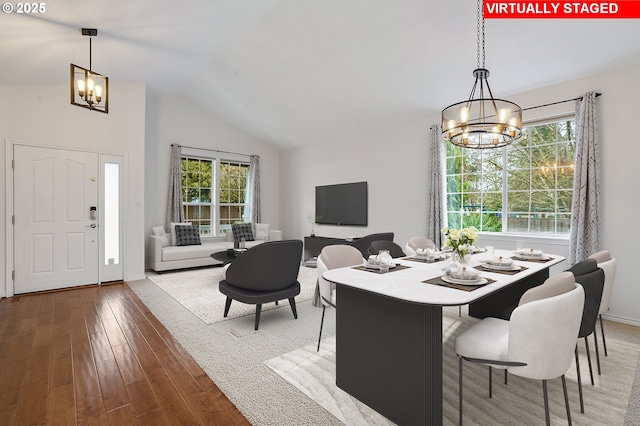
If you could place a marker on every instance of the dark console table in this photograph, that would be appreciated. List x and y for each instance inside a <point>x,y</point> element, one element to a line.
<point>313,245</point>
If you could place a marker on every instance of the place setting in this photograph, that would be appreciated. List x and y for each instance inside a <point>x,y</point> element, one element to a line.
<point>427,255</point>
<point>500,265</point>
<point>531,255</point>
<point>461,278</point>
<point>380,263</point>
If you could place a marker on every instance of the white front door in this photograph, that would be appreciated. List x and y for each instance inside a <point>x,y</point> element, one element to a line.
<point>55,233</point>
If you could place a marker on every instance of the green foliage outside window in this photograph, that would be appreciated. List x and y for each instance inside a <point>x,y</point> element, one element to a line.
<point>524,187</point>
<point>199,189</point>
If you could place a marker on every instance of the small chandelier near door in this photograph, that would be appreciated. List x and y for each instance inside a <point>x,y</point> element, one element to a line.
<point>481,122</point>
<point>89,89</point>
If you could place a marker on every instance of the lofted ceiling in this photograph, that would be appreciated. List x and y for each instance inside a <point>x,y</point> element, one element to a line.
<point>297,72</point>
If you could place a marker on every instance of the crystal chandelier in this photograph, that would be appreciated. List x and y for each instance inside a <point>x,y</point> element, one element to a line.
<point>481,122</point>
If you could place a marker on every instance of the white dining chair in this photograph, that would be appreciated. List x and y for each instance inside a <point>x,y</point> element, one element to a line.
<point>537,341</point>
<point>609,265</point>
<point>333,257</point>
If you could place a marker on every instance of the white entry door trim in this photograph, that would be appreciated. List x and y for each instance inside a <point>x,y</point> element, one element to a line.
<point>9,289</point>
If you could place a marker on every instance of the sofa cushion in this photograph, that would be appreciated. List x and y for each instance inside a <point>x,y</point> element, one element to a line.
<point>262,231</point>
<point>242,230</point>
<point>172,253</point>
<point>187,235</point>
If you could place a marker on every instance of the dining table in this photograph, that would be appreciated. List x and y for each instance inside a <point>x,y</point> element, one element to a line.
<point>389,347</point>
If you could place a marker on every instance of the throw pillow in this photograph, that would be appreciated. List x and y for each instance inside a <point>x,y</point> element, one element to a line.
<point>262,231</point>
<point>187,235</point>
<point>242,230</point>
<point>158,231</point>
<point>172,227</point>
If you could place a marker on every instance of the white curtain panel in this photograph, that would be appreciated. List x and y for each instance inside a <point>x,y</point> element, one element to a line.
<point>436,195</point>
<point>174,202</point>
<point>254,178</point>
<point>585,220</point>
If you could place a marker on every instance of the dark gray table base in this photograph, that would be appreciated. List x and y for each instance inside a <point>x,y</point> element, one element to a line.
<point>389,355</point>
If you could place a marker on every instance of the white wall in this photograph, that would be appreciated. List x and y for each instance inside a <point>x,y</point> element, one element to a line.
<point>394,162</point>
<point>42,115</point>
<point>173,119</point>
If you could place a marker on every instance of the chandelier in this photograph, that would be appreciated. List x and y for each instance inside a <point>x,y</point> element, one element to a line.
<point>481,122</point>
<point>88,89</point>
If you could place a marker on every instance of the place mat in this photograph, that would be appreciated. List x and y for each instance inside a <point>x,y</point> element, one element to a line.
<point>525,259</point>
<point>438,281</point>
<point>423,260</point>
<point>377,271</point>
<point>501,271</point>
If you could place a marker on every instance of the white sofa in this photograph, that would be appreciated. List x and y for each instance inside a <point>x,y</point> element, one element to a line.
<point>163,256</point>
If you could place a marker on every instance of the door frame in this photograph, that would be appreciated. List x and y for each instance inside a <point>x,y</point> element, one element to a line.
<point>9,288</point>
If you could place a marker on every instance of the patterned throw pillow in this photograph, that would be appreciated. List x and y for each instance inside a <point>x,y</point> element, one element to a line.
<point>187,235</point>
<point>242,230</point>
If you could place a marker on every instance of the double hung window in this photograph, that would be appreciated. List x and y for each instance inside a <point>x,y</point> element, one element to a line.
<point>525,187</point>
<point>215,193</point>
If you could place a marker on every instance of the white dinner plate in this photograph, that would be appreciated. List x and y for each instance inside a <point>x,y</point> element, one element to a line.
<point>501,268</point>
<point>525,257</point>
<point>450,280</point>
<point>376,267</point>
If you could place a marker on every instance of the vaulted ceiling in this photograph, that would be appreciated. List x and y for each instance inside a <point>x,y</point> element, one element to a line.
<point>296,72</point>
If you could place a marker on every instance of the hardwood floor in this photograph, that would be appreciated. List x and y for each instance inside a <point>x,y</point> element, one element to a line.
<point>97,355</point>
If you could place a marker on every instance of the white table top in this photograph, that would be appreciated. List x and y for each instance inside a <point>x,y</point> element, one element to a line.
<point>406,284</point>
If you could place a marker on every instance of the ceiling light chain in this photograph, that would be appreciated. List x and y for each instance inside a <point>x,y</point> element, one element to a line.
<point>481,122</point>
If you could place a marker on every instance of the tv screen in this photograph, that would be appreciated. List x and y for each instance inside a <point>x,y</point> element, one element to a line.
<point>343,204</point>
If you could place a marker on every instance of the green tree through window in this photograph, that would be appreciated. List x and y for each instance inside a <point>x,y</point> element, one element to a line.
<point>201,181</point>
<point>525,187</point>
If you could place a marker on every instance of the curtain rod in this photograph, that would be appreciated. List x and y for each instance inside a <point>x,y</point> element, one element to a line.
<point>212,150</point>
<point>559,102</point>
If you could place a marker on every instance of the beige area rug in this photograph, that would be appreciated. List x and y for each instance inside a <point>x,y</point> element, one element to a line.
<point>519,402</point>
<point>197,290</point>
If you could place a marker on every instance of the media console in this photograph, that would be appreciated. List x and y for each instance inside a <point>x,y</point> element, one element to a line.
<point>313,245</point>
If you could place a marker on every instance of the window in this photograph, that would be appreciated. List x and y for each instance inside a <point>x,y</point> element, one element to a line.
<point>202,179</point>
<point>234,191</point>
<point>525,187</point>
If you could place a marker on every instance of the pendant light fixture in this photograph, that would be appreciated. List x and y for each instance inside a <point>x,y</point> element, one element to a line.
<point>481,122</point>
<point>89,89</point>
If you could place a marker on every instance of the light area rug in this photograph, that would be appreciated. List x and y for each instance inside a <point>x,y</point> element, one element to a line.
<point>197,290</point>
<point>235,357</point>
<point>519,402</point>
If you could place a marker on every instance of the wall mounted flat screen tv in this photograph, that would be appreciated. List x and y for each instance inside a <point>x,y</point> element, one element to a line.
<point>342,204</point>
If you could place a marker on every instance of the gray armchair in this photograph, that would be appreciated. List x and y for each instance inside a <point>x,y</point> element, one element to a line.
<point>265,273</point>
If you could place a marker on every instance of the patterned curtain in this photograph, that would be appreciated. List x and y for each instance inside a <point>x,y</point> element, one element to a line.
<point>174,202</point>
<point>436,205</point>
<point>255,189</point>
<point>584,236</point>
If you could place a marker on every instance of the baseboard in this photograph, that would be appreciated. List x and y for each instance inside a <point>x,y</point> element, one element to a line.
<point>135,277</point>
<point>624,320</point>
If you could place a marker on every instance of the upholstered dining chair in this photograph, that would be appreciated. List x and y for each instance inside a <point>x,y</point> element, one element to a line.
<point>265,273</point>
<point>415,243</point>
<point>608,265</point>
<point>537,341</point>
<point>332,257</point>
<point>591,278</point>
<point>363,243</point>
<point>394,249</point>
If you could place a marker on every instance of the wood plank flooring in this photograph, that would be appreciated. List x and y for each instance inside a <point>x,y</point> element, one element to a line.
<point>97,355</point>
